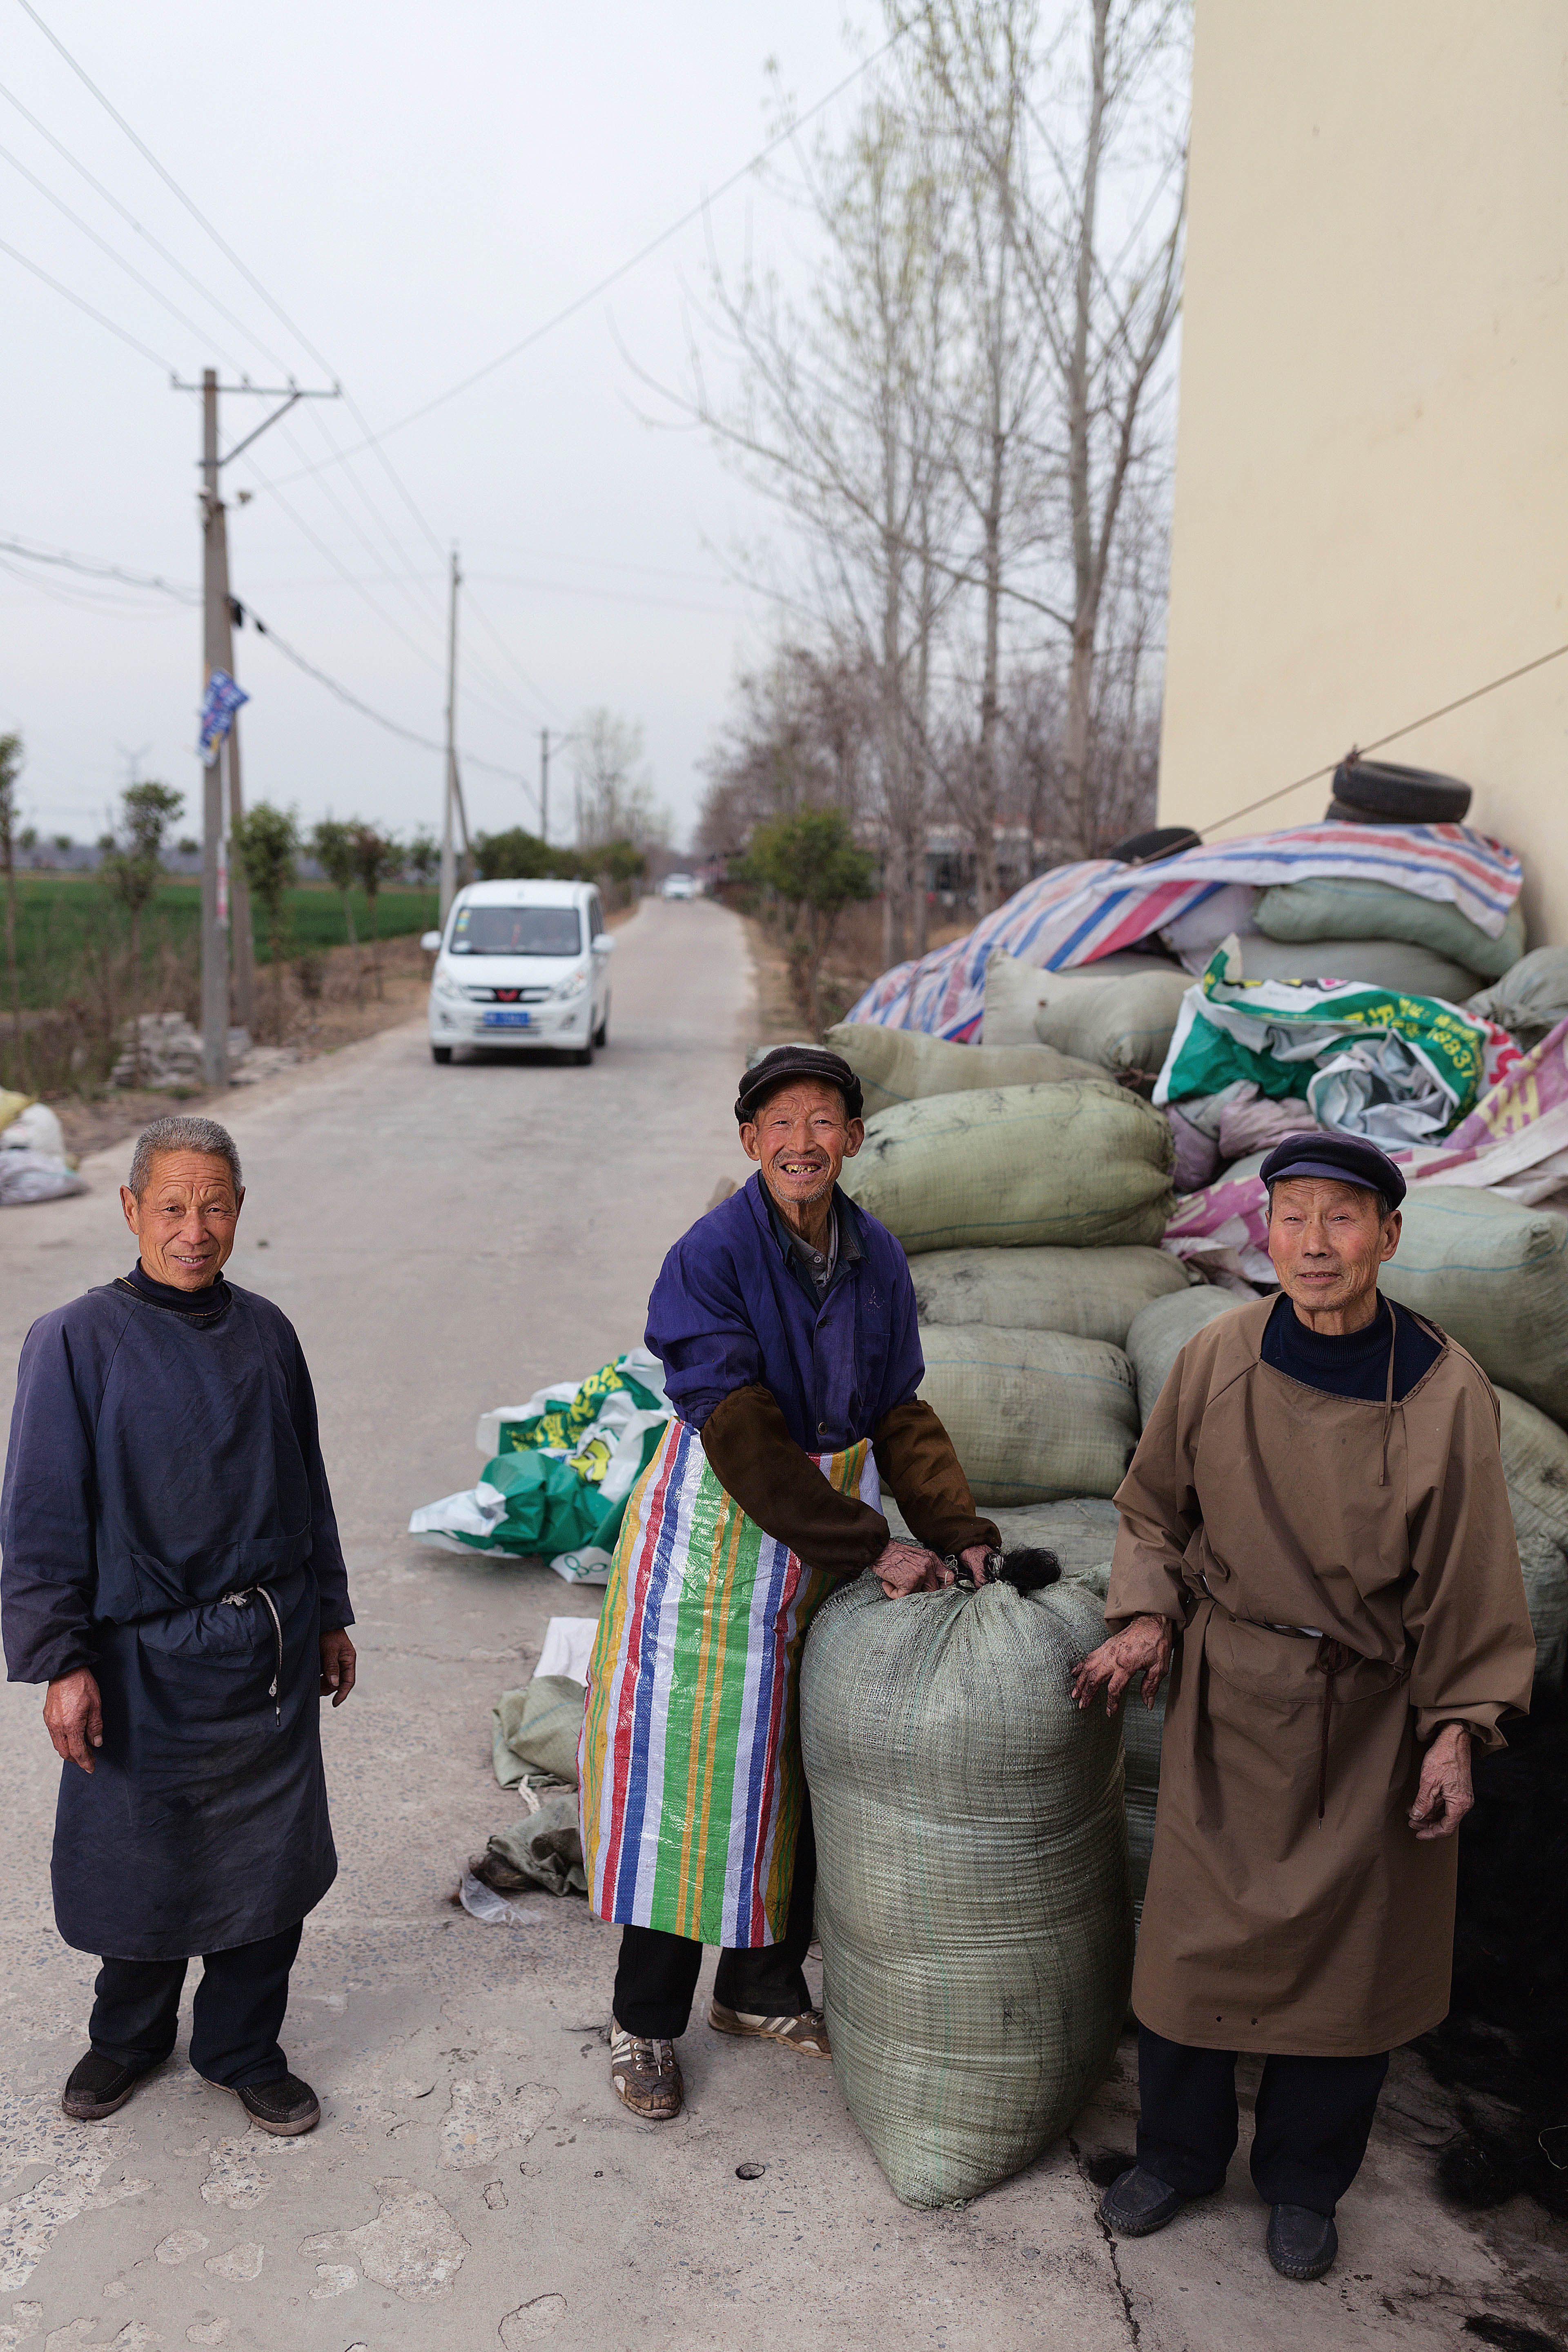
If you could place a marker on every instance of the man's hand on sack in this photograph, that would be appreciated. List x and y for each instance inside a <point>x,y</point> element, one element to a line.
<point>337,1667</point>
<point>1446,1792</point>
<point>1143,1647</point>
<point>73,1717</point>
<point>906,1568</point>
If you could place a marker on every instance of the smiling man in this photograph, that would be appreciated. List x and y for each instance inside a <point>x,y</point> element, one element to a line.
<point>1315,1524</point>
<point>173,1572</point>
<point>786,1324</point>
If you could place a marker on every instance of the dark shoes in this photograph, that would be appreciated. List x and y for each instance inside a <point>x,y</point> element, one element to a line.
<point>97,2086</point>
<point>645,2076</point>
<point>285,2107</point>
<point>1137,2204</point>
<point>1301,2244</point>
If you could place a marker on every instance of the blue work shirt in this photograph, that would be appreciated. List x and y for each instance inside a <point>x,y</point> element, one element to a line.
<point>730,1309</point>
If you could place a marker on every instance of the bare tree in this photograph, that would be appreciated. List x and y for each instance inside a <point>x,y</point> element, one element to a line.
<point>614,790</point>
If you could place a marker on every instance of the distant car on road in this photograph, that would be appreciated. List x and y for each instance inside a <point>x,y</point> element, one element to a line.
<point>522,964</point>
<point>681,885</point>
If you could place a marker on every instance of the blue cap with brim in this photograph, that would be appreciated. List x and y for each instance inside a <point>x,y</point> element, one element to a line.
<point>1337,1160</point>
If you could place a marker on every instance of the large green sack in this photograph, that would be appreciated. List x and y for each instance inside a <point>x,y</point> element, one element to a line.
<point>1494,1273</point>
<point>1380,963</point>
<point>1158,1335</point>
<point>1535,1465</point>
<point>1530,999</point>
<point>1081,1531</point>
<point>898,1066</point>
<point>1017,993</point>
<point>1323,908</point>
<point>1079,1165</point>
<point>1087,1294</point>
<point>1032,1415</point>
<point>972,1895</point>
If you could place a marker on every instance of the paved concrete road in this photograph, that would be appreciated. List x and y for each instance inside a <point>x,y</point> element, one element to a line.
<point>447,1240</point>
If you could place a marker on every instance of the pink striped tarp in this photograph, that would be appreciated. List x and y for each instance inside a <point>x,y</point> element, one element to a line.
<point>1076,914</point>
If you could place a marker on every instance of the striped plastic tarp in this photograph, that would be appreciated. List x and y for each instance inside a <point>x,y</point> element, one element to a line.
<point>1078,913</point>
<point>690,1760</point>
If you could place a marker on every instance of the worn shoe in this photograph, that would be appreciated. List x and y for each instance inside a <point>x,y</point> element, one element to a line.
<point>645,2076</point>
<point>97,2086</point>
<point>1301,2244</point>
<point>1137,2204</point>
<point>808,2031</point>
<point>286,2107</point>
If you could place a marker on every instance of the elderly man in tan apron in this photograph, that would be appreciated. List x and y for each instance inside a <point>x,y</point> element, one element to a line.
<point>1316,1529</point>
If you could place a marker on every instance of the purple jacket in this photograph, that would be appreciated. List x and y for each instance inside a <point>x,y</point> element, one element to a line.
<point>729,1309</point>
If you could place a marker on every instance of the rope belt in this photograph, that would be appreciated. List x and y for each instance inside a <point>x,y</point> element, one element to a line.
<point>242,1600</point>
<point>1332,1658</point>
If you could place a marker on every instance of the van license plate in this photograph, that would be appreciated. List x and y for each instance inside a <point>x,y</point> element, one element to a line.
<point>508,1020</point>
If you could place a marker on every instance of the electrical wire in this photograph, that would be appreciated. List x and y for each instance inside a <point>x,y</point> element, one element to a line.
<point>124,332</point>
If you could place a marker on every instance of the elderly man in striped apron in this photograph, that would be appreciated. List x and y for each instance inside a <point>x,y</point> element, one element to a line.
<point>786,1324</point>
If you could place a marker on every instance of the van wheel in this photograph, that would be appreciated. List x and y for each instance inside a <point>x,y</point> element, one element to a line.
<point>602,1033</point>
<point>583,1056</point>
<point>440,1052</point>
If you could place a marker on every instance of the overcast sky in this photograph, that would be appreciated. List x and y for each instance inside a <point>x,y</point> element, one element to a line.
<point>416,187</point>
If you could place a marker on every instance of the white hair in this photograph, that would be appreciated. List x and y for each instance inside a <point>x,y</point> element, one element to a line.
<point>181,1132</point>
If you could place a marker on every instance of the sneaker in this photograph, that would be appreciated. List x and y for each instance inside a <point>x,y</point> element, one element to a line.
<point>806,2033</point>
<point>1137,2204</point>
<point>645,2076</point>
<point>1301,2244</point>
<point>97,2086</point>
<point>285,2106</point>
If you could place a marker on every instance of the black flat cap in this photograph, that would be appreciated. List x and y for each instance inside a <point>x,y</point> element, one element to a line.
<point>1342,1159</point>
<point>788,1063</point>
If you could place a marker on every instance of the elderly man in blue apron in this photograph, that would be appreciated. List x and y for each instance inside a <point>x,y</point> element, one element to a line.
<point>173,1572</point>
<point>786,1324</point>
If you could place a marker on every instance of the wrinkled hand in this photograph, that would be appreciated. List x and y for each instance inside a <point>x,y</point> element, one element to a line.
<point>906,1568</point>
<point>73,1717</point>
<point>1143,1647</point>
<point>337,1667</point>
<point>974,1556</point>
<point>1446,1793</point>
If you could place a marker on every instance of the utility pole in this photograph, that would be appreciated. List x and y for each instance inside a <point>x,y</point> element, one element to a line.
<point>449,861</point>
<point>242,936</point>
<point>545,784</point>
<point>217,652</point>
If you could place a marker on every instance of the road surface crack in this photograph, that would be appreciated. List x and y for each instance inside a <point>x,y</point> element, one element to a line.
<point>1135,2333</point>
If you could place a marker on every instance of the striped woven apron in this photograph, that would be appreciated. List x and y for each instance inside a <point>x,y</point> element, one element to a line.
<point>690,1760</point>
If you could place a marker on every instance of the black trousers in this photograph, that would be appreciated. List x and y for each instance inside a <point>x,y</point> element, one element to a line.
<point>236,2020</point>
<point>656,1974</point>
<point>1312,2120</point>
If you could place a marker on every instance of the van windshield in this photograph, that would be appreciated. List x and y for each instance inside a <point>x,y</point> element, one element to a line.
<point>516,931</point>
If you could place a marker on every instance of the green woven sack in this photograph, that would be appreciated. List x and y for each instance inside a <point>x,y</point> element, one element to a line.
<point>971,1892</point>
<point>1033,1415</point>
<point>1535,1465</point>
<point>1079,1165</point>
<point>1158,1335</point>
<point>1326,910</point>
<point>1087,1294</point>
<point>1494,1273</point>
<point>1143,1729</point>
<point>898,1066</point>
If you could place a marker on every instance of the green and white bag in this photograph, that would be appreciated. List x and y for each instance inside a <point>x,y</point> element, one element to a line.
<point>559,1473</point>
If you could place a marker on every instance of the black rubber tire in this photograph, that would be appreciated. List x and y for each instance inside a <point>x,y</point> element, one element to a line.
<point>1389,795</point>
<point>1162,841</point>
<point>583,1056</point>
<point>602,1033</point>
<point>440,1052</point>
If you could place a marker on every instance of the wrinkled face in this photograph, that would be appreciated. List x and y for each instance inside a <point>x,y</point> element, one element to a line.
<point>800,1139</point>
<point>185,1221</point>
<point>1328,1241</point>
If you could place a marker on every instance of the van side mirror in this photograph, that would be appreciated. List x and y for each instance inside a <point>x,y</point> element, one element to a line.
<point>605,944</point>
<point>431,943</point>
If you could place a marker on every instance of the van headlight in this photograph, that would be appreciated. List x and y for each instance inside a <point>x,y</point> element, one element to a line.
<point>445,986</point>
<point>572,986</point>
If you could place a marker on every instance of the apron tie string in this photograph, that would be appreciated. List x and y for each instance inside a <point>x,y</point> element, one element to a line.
<point>1332,1658</point>
<point>1388,1393</point>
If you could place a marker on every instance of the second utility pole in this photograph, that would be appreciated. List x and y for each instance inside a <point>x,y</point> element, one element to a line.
<point>215,654</point>
<point>448,858</point>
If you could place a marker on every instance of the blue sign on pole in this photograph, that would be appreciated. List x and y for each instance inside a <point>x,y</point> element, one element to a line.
<point>223,698</point>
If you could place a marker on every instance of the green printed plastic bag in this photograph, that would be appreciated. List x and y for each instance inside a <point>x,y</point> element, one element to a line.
<point>1399,1069</point>
<point>559,1473</point>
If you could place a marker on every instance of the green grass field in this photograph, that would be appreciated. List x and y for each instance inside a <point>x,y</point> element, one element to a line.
<point>59,918</point>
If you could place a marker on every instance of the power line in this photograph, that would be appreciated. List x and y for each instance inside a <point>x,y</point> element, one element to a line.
<point>70,563</point>
<point>537,334</point>
<point>124,332</point>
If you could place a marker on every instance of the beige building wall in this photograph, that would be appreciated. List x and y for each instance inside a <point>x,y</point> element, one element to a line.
<point>1371,475</point>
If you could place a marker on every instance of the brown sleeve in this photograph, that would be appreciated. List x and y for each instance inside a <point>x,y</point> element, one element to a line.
<point>1160,1512</point>
<point>757,1462</point>
<point>922,1473</point>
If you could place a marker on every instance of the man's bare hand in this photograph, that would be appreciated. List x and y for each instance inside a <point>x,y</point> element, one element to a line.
<point>906,1568</point>
<point>974,1556</point>
<point>73,1717</point>
<point>337,1667</point>
<point>1446,1792</point>
<point>1143,1647</point>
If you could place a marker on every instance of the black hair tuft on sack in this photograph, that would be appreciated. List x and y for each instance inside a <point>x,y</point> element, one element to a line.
<point>1029,1567</point>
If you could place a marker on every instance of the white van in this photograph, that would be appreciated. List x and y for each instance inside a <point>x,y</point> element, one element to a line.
<point>522,964</point>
